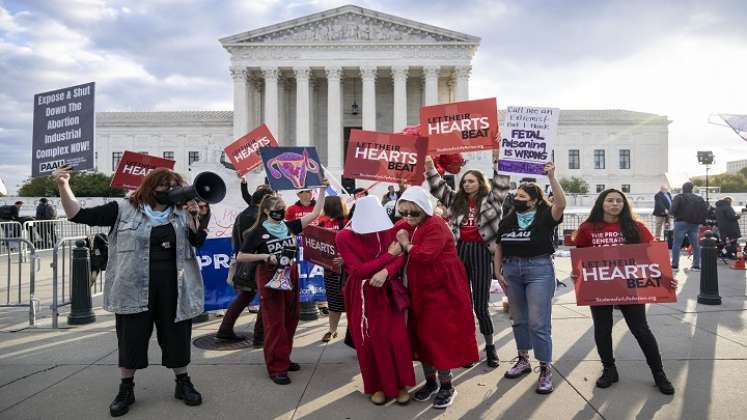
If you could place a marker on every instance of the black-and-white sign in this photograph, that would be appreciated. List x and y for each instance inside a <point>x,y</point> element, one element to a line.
<point>63,129</point>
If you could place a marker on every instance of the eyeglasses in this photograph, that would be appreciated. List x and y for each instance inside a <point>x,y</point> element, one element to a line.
<point>413,214</point>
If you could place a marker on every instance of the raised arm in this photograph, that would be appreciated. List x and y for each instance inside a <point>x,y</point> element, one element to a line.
<point>245,191</point>
<point>307,219</point>
<point>439,188</point>
<point>558,205</point>
<point>70,204</point>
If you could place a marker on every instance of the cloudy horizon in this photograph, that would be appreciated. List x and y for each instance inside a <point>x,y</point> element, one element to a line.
<point>682,59</point>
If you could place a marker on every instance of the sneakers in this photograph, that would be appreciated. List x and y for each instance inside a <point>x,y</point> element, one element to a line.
<point>675,269</point>
<point>609,377</point>
<point>696,269</point>
<point>544,384</point>
<point>186,392</point>
<point>444,397</point>
<point>228,336</point>
<point>521,367</point>
<point>426,391</point>
<point>663,383</point>
<point>124,399</point>
<point>492,356</point>
<point>281,379</point>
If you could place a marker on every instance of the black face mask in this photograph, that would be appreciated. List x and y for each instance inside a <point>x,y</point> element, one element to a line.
<point>162,197</point>
<point>277,215</point>
<point>521,205</point>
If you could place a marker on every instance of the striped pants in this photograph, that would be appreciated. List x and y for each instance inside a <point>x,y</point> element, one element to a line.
<point>478,261</point>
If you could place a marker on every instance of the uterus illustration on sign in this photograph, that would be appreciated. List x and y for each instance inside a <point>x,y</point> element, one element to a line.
<point>294,167</point>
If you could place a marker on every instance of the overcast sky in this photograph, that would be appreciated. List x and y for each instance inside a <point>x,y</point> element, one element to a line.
<point>684,59</point>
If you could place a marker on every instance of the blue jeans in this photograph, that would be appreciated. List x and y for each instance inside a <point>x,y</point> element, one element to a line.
<point>531,286</point>
<point>680,230</point>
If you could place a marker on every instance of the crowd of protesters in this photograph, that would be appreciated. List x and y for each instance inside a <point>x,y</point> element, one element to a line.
<point>414,272</point>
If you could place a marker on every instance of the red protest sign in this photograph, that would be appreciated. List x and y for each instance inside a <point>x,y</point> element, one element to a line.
<point>461,126</point>
<point>244,152</point>
<point>386,157</point>
<point>319,247</point>
<point>625,274</point>
<point>134,167</point>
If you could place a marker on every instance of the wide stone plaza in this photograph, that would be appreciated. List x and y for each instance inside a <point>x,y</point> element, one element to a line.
<point>71,373</point>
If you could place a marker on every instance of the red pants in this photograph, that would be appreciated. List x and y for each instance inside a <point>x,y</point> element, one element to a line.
<point>280,313</point>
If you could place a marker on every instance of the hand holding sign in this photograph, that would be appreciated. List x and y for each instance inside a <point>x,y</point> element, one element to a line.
<point>61,175</point>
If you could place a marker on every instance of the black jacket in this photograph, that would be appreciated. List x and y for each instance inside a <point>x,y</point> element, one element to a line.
<point>661,204</point>
<point>690,208</point>
<point>727,220</point>
<point>45,212</point>
<point>243,221</point>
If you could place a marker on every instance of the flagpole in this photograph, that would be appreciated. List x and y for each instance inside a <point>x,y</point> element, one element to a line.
<point>333,179</point>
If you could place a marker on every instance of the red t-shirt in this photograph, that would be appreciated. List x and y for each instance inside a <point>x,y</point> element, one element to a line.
<point>329,223</point>
<point>468,230</point>
<point>298,211</point>
<point>606,234</point>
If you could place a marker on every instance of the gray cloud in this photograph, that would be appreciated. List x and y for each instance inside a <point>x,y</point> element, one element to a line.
<point>164,54</point>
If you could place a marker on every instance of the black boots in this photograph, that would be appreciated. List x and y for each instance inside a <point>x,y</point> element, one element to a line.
<point>663,383</point>
<point>186,391</point>
<point>609,377</point>
<point>126,397</point>
<point>492,356</point>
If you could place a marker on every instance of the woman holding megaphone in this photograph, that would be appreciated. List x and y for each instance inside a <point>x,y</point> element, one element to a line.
<point>152,276</point>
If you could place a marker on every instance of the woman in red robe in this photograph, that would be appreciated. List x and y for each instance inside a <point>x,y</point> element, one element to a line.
<point>375,302</point>
<point>440,324</point>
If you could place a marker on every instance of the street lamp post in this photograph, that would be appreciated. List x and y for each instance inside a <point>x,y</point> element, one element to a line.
<point>706,158</point>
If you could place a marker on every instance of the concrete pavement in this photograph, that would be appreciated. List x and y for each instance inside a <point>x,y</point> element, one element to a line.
<point>71,373</point>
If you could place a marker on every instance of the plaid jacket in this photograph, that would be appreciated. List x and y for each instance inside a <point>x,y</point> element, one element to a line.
<point>489,210</point>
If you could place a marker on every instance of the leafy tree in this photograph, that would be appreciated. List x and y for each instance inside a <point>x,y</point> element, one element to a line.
<point>574,185</point>
<point>729,182</point>
<point>83,184</point>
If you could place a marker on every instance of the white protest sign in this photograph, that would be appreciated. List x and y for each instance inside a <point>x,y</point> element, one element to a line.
<point>527,139</point>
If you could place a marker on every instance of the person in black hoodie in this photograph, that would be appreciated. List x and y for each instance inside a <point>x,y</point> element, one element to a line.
<point>689,211</point>
<point>728,225</point>
<point>245,292</point>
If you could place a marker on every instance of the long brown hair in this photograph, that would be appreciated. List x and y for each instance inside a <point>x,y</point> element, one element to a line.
<point>146,193</point>
<point>627,218</point>
<point>461,200</point>
<point>267,203</point>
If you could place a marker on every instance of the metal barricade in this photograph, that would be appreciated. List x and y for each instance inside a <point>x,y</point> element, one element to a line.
<point>61,276</point>
<point>10,230</point>
<point>21,301</point>
<point>45,233</point>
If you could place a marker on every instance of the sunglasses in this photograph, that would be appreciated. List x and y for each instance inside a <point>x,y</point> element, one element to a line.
<point>413,214</point>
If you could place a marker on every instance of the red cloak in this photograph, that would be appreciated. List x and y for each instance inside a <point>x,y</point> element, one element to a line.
<point>377,326</point>
<point>440,324</point>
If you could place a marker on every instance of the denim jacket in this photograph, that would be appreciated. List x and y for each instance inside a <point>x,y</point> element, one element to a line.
<point>126,282</point>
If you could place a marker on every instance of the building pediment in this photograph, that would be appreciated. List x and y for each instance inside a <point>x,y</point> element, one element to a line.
<point>349,24</point>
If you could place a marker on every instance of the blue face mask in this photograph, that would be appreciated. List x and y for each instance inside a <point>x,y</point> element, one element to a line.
<point>278,230</point>
<point>157,218</point>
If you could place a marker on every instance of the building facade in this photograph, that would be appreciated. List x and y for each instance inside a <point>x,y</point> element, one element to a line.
<point>734,166</point>
<point>313,79</point>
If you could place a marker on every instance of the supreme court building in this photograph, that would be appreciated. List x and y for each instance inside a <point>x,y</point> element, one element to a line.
<point>313,79</point>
